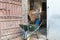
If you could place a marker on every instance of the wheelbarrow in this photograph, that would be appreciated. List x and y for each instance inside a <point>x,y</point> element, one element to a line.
<point>29,30</point>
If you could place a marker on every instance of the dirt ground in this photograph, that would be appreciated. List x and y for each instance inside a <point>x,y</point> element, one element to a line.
<point>42,36</point>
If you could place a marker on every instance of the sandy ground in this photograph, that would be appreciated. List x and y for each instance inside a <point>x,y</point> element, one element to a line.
<point>34,37</point>
<point>42,36</point>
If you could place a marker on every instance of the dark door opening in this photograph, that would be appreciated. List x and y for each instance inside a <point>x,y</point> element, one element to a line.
<point>41,5</point>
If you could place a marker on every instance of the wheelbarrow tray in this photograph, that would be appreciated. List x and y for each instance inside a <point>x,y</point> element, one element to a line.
<point>28,27</point>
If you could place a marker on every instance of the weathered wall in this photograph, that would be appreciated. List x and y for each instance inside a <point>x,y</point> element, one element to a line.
<point>53,19</point>
<point>11,15</point>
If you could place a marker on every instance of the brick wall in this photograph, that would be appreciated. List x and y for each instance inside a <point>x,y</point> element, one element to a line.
<point>10,17</point>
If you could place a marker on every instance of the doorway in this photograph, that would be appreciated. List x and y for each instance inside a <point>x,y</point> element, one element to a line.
<point>41,5</point>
